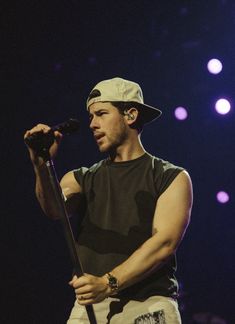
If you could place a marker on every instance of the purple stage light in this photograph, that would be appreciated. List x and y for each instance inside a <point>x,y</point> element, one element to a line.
<point>222,197</point>
<point>222,106</point>
<point>214,66</point>
<point>181,113</point>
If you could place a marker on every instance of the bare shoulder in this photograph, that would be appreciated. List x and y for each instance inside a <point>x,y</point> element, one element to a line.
<point>184,177</point>
<point>183,186</point>
<point>180,190</point>
<point>173,208</point>
<point>182,180</point>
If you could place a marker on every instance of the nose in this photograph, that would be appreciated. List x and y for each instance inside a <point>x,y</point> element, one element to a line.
<point>94,123</point>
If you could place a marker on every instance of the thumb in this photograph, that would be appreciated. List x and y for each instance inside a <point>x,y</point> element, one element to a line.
<point>73,279</point>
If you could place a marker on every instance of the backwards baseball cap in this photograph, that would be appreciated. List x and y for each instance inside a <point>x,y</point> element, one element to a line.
<point>118,89</point>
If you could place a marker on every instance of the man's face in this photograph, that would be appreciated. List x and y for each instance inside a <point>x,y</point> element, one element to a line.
<point>108,126</point>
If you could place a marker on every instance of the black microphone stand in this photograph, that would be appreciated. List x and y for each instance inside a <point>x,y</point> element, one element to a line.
<point>42,148</point>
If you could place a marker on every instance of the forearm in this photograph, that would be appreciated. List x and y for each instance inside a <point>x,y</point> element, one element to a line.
<point>169,231</point>
<point>150,256</point>
<point>44,192</point>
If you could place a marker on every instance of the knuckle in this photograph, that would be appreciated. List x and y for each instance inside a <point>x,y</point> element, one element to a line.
<point>89,287</point>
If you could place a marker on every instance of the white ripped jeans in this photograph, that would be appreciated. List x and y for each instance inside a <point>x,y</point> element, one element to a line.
<point>154,310</point>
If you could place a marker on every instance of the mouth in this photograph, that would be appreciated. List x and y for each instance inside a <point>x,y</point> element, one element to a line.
<point>98,136</point>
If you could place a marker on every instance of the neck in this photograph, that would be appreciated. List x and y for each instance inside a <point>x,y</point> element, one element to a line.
<point>130,150</point>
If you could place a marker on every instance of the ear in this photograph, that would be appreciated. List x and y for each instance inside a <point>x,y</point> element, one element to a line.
<point>131,115</point>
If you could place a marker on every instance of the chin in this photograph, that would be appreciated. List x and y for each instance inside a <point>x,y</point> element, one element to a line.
<point>105,148</point>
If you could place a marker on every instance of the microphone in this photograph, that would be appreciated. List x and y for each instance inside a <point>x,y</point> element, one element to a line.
<point>66,128</point>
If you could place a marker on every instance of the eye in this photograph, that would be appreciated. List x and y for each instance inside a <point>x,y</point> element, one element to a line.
<point>100,113</point>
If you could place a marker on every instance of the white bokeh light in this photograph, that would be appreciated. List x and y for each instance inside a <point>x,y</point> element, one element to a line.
<point>222,106</point>
<point>214,66</point>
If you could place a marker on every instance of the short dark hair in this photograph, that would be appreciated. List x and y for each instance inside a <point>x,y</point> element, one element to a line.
<point>123,106</point>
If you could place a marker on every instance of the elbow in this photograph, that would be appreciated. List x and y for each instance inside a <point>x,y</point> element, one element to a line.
<point>50,213</point>
<point>169,248</point>
<point>164,253</point>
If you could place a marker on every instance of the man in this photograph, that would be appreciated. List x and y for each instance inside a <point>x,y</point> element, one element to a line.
<point>134,209</point>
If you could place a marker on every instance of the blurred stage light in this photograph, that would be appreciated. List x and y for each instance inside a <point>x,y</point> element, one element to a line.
<point>222,106</point>
<point>222,197</point>
<point>181,113</point>
<point>214,66</point>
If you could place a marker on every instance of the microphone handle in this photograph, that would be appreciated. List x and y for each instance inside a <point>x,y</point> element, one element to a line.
<point>39,139</point>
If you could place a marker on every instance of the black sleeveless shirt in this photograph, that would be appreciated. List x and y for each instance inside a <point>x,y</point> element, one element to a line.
<point>120,200</point>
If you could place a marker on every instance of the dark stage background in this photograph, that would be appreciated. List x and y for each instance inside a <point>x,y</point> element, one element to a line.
<point>52,53</point>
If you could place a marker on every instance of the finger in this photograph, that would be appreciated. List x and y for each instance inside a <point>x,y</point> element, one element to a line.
<point>81,281</point>
<point>45,129</point>
<point>87,289</point>
<point>41,128</point>
<point>73,280</point>
<point>58,136</point>
<point>26,134</point>
<point>77,282</point>
<point>85,302</point>
<point>37,129</point>
<point>84,296</point>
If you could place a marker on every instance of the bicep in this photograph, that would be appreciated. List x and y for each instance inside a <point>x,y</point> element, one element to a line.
<point>69,185</point>
<point>173,209</point>
<point>71,190</point>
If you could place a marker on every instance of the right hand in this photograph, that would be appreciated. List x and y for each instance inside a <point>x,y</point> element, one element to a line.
<point>35,158</point>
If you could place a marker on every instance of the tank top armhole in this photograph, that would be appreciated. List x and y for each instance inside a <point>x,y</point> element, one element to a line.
<point>164,174</point>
